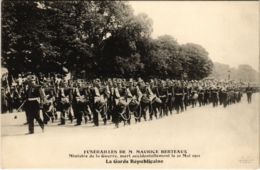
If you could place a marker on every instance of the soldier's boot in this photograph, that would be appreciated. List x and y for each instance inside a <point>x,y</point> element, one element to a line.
<point>42,127</point>
<point>151,116</point>
<point>161,113</point>
<point>85,119</point>
<point>62,120</point>
<point>70,118</point>
<point>56,116</point>
<point>166,111</point>
<point>129,121</point>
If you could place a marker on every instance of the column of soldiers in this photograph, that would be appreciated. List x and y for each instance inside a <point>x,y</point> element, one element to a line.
<point>115,100</point>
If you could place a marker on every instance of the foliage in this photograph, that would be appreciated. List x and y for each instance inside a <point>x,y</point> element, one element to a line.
<point>241,73</point>
<point>101,38</point>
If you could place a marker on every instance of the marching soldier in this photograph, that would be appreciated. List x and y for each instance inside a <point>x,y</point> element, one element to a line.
<point>163,95</point>
<point>194,94</point>
<point>215,96</point>
<point>64,103</point>
<point>156,101</point>
<point>170,96</point>
<point>110,103</point>
<point>4,104</point>
<point>80,103</point>
<point>179,92</point>
<point>249,91</point>
<point>98,103</point>
<point>145,102</point>
<point>134,105</point>
<point>207,95</point>
<point>201,95</point>
<point>48,109</point>
<point>186,95</point>
<point>34,97</point>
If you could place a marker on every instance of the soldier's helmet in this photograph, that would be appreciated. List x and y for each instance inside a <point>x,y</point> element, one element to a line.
<point>110,82</point>
<point>131,80</point>
<point>31,77</point>
<point>163,83</point>
<point>140,80</point>
<point>97,82</point>
<point>119,81</point>
<point>79,83</point>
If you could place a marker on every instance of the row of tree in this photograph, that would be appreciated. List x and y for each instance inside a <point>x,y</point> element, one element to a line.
<point>243,72</point>
<point>100,38</point>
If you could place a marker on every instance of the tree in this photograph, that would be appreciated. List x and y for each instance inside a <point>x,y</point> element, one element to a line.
<point>57,34</point>
<point>121,55</point>
<point>97,37</point>
<point>197,63</point>
<point>20,43</point>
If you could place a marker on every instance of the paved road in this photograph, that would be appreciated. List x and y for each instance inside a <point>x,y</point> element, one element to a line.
<point>223,138</point>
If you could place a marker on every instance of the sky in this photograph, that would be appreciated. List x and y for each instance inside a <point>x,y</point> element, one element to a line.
<point>229,31</point>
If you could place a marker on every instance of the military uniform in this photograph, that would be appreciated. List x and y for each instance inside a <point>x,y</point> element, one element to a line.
<point>145,102</point>
<point>201,96</point>
<point>80,104</point>
<point>163,95</point>
<point>48,109</point>
<point>156,102</point>
<point>98,105</point>
<point>214,96</point>
<point>32,105</point>
<point>249,91</point>
<point>64,101</point>
<point>178,103</point>
<point>171,97</point>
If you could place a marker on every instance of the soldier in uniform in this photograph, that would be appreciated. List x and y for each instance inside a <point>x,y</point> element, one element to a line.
<point>171,98</point>
<point>64,103</point>
<point>80,96</point>
<point>34,96</point>
<point>207,94</point>
<point>194,94</point>
<point>4,104</point>
<point>145,102</point>
<point>134,105</point>
<point>179,94</point>
<point>187,87</point>
<point>120,105</point>
<point>224,92</point>
<point>48,109</point>
<point>98,106</point>
<point>249,91</point>
<point>10,99</point>
<point>110,98</point>
<point>156,101</point>
<point>201,95</point>
<point>215,96</point>
<point>163,95</point>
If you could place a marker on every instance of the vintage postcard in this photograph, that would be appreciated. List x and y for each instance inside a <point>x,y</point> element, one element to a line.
<point>130,84</point>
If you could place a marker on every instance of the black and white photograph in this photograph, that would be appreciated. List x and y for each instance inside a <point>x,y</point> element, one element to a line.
<point>130,84</point>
